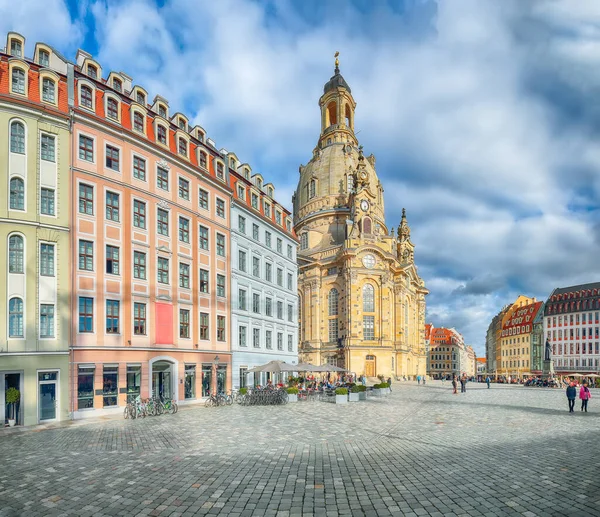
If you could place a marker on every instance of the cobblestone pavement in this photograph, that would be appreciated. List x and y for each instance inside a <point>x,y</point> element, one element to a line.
<point>420,451</point>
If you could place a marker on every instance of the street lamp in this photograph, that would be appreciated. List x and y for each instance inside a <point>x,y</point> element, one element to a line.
<point>214,376</point>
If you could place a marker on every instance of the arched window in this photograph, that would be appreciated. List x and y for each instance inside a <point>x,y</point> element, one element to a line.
<point>17,138</point>
<point>182,146</point>
<point>15,254</point>
<point>348,116</point>
<point>17,194</point>
<point>333,302</point>
<point>112,108</point>
<point>312,189</point>
<point>15,316</point>
<point>368,298</point>
<point>331,114</point>
<point>304,241</point>
<point>367,225</point>
<point>48,90</point>
<point>138,121</point>
<point>86,97</point>
<point>18,81</point>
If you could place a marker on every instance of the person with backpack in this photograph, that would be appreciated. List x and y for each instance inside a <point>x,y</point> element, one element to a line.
<point>571,396</point>
<point>585,395</point>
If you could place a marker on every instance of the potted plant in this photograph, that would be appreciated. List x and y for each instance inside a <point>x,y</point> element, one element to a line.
<point>341,396</point>
<point>354,395</point>
<point>377,390</point>
<point>292,394</point>
<point>385,387</point>
<point>362,392</point>
<point>13,395</point>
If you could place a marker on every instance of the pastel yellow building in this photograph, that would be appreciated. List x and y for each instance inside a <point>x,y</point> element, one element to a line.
<point>362,302</point>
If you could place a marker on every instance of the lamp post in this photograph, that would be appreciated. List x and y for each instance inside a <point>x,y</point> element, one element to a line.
<point>213,387</point>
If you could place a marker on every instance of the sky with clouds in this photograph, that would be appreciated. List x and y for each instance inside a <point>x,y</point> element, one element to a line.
<point>482,114</point>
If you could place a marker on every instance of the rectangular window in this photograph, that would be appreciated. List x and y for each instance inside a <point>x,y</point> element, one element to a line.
<point>112,158</point>
<point>268,239</point>
<point>278,217</point>
<point>139,265</point>
<point>161,134</point>
<point>139,319</point>
<point>203,159</point>
<point>46,321</point>
<point>203,199</point>
<point>112,260</point>
<point>203,237</point>
<point>46,259</point>
<point>290,281</point>
<point>139,168</point>
<point>203,281</point>
<point>221,208</point>
<point>290,313</point>
<point>48,148</point>
<point>184,188</point>
<point>85,388</point>
<point>267,210</point>
<point>268,307</point>
<point>138,122</point>
<point>139,214</point>
<point>242,300</point>
<point>162,221</point>
<point>242,261</point>
<point>279,341</point>
<point>112,316</point>
<point>241,192</point>
<point>134,381</point>
<point>110,383</point>
<point>220,244</point>
<point>255,234</point>
<point>290,343</point>
<point>221,286</point>
<point>279,245</point>
<point>369,328</point>
<point>86,255</point>
<point>204,326</point>
<point>86,199</point>
<point>163,270</point>
<point>280,310</point>
<point>269,339</point>
<point>184,275</point>
<point>162,178</point>
<point>47,205</point>
<point>255,266</point>
<point>256,303</point>
<point>184,230</point>
<point>112,109</point>
<point>184,323</point>
<point>86,148</point>
<point>112,206</point>
<point>242,336</point>
<point>190,381</point>
<point>289,251</point>
<point>220,174</point>
<point>220,328</point>
<point>280,277</point>
<point>86,314</point>
<point>242,224</point>
<point>256,338</point>
<point>333,330</point>
<point>254,201</point>
<point>43,58</point>
<point>268,272</point>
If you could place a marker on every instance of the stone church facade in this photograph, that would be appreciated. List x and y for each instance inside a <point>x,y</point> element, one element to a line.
<point>362,302</point>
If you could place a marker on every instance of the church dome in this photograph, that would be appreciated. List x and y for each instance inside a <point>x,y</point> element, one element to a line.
<point>337,81</point>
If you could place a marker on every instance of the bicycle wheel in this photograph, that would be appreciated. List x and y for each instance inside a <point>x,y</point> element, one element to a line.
<point>209,402</point>
<point>175,407</point>
<point>126,413</point>
<point>229,400</point>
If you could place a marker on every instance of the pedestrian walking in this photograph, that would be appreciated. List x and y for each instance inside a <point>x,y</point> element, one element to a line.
<point>418,379</point>
<point>389,381</point>
<point>424,379</point>
<point>571,396</point>
<point>463,384</point>
<point>454,385</point>
<point>488,381</point>
<point>584,395</point>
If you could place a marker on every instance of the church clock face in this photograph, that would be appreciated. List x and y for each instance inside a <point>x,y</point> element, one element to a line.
<point>364,205</point>
<point>368,261</point>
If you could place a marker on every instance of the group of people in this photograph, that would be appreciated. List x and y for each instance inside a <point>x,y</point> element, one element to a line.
<point>463,383</point>
<point>584,394</point>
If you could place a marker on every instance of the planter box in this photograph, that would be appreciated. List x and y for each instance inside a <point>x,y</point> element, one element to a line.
<point>11,422</point>
<point>362,395</point>
<point>292,397</point>
<point>378,392</point>
<point>386,391</point>
<point>341,399</point>
<point>353,397</point>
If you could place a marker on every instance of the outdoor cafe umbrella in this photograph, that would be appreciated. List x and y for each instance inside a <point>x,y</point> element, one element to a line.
<point>275,367</point>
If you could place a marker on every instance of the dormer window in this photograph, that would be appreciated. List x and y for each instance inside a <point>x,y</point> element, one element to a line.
<point>86,96</point>
<point>270,191</point>
<point>254,201</point>
<point>182,146</point>
<point>117,84</point>
<point>48,90</point>
<point>201,136</point>
<point>162,111</point>
<point>182,124</point>
<point>161,134</point>
<point>138,121</point>
<point>43,58</point>
<point>278,217</point>
<point>220,173</point>
<point>140,98</point>
<point>16,49</point>
<point>18,81</point>
<point>203,159</point>
<point>247,174</point>
<point>241,192</point>
<point>288,225</point>
<point>267,209</point>
<point>92,71</point>
<point>112,108</point>
<point>258,182</point>
<point>232,163</point>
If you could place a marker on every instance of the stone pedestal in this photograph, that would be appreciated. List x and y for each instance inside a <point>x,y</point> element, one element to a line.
<point>548,369</point>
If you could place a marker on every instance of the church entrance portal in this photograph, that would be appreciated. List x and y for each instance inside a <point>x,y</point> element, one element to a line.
<point>370,368</point>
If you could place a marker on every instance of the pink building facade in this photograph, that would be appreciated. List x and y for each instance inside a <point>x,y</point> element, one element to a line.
<point>150,240</point>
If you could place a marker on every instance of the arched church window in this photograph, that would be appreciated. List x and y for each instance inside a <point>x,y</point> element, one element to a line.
<point>331,114</point>
<point>368,298</point>
<point>312,189</point>
<point>333,302</point>
<point>348,116</point>
<point>367,225</point>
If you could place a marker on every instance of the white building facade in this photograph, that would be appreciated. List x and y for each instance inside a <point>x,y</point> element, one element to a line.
<point>263,284</point>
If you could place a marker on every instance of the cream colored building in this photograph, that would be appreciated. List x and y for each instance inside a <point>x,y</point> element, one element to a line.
<point>362,302</point>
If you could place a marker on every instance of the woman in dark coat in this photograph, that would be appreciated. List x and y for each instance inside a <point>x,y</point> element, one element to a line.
<point>571,396</point>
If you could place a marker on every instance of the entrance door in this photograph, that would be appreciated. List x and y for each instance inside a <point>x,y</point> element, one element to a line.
<point>370,366</point>
<point>161,380</point>
<point>47,395</point>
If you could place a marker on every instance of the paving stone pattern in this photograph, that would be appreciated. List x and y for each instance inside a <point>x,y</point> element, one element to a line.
<point>420,451</point>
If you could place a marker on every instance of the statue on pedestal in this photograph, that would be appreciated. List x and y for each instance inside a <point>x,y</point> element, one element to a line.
<point>548,352</point>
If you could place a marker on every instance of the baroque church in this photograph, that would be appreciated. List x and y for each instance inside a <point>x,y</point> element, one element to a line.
<point>362,302</point>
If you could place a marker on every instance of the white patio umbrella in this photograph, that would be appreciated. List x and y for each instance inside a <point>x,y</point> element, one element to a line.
<point>275,367</point>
